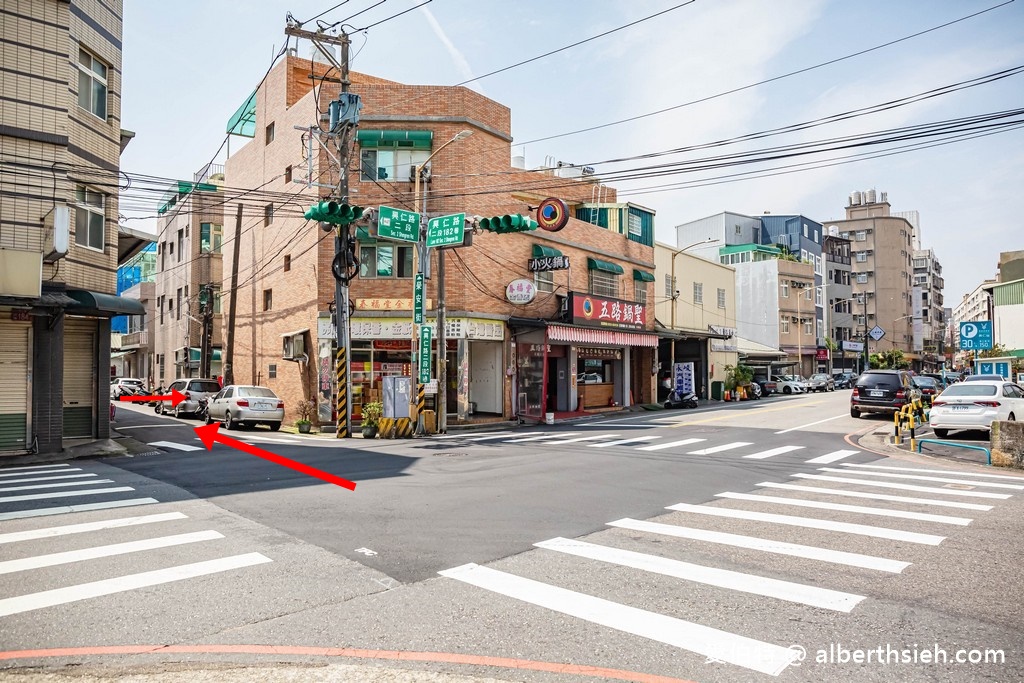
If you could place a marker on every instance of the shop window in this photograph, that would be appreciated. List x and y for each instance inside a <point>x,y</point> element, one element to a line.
<point>92,84</point>
<point>89,218</point>
<point>544,281</point>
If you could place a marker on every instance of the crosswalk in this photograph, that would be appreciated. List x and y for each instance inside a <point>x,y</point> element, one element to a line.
<point>163,542</point>
<point>732,545</point>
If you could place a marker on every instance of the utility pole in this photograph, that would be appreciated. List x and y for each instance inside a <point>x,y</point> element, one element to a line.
<point>229,356</point>
<point>206,338</point>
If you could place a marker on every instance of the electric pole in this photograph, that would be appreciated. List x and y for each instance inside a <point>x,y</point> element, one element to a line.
<point>229,355</point>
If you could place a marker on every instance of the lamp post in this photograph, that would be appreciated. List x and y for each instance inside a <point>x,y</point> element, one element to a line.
<point>675,296</point>
<point>420,255</point>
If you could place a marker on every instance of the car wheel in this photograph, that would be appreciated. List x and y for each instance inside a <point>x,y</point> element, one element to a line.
<point>941,433</point>
<point>227,421</point>
<point>159,410</point>
<point>854,412</point>
<point>787,390</point>
<point>209,420</point>
<point>274,426</point>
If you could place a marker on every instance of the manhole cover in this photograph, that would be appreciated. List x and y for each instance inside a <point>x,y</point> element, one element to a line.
<point>450,455</point>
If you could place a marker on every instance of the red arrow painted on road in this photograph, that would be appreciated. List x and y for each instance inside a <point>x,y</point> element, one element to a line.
<point>175,397</point>
<point>209,434</point>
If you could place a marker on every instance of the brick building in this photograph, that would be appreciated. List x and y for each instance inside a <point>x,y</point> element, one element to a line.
<point>503,358</point>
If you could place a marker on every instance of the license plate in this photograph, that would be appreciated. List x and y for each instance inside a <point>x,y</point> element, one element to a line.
<point>876,394</point>
<point>261,405</point>
<point>957,409</point>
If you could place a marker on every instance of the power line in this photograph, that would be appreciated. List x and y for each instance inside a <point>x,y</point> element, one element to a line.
<point>393,16</point>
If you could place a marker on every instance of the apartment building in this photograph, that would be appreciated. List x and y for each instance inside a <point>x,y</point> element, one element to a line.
<point>839,301</point>
<point>974,306</point>
<point>929,323</point>
<point>131,354</point>
<point>61,138</point>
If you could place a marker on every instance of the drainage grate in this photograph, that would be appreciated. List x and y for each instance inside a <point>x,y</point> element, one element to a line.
<point>449,455</point>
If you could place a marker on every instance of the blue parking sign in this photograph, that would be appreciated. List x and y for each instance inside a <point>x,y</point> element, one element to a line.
<point>976,335</point>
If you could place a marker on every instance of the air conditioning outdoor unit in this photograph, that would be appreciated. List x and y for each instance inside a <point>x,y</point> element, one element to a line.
<point>56,233</point>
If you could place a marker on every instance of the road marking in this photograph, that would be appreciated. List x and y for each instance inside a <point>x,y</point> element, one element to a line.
<point>84,591</point>
<point>903,487</point>
<point>85,507</point>
<point>775,451</point>
<point>50,471</point>
<point>36,467</point>
<point>553,435</point>
<point>812,523</point>
<point>729,415</point>
<point>50,532</point>
<point>622,441</point>
<point>811,424</point>
<point>485,435</point>
<point>918,477</point>
<point>703,640</point>
<point>176,446</point>
<point>64,494</point>
<point>721,578</point>
<point>841,507</point>
<point>581,438</point>
<point>90,482</point>
<point>164,424</point>
<point>719,449</point>
<point>670,444</point>
<point>501,435</point>
<point>54,559</point>
<point>926,471</point>
<point>831,457</point>
<point>61,476</point>
<point>878,496</point>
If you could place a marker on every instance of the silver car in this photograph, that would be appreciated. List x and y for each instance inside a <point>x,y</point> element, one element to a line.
<point>194,389</point>
<point>246,405</point>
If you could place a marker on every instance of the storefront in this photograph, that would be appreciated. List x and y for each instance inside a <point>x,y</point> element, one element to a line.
<point>15,378</point>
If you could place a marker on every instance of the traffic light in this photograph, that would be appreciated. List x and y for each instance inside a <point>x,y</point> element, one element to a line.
<point>508,223</point>
<point>333,212</point>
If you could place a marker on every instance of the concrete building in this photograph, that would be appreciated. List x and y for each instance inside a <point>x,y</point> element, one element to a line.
<point>975,306</point>
<point>721,231</point>
<point>130,349</point>
<point>839,301</point>
<point>1008,315</point>
<point>802,237</point>
<point>929,320</point>
<point>61,135</point>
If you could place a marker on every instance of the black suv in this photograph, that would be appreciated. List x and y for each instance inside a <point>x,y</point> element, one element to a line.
<point>882,391</point>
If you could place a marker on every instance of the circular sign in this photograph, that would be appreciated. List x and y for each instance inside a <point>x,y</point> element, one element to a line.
<point>521,291</point>
<point>969,331</point>
<point>552,214</point>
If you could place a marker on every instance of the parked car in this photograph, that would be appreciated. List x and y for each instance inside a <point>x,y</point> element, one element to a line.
<point>939,379</point>
<point>768,386</point>
<point>984,378</point>
<point>121,386</point>
<point>882,391</point>
<point>844,380</point>
<point>247,406</point>
<point>822,382</point>
<point>790,384</point>
<point>929,386</point>
<point>193,389</point>
<point>975,405</point>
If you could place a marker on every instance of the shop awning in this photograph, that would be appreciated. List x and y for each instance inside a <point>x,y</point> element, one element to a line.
<point>196,355</point>
<point>103,304</point>
<point>292,334</point>
<point>585,335</point>
<point>642,276</point>
<point>540,251</point>
<point>606,266</point>
<point>748,347</point>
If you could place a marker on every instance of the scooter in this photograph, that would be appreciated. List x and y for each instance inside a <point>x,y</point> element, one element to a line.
<point>678,400</point>
<point>203,411</point>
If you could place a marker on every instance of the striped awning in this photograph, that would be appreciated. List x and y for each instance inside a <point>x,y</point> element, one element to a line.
<point>579,335</point>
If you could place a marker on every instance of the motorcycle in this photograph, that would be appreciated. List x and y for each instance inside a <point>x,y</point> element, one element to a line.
<point>681,400</point>
<point>203,411</point>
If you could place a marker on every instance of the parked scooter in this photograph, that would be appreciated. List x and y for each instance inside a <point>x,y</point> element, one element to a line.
<point>681,400</point>
<point>203,411</point>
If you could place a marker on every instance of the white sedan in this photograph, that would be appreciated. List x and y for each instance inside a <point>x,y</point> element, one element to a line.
<point>246,405</point>
<point>790,384</point>
<point>975,405</point>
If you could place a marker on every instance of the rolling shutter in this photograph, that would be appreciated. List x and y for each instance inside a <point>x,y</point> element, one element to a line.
<point>79,378</point>
<point>15,340</point>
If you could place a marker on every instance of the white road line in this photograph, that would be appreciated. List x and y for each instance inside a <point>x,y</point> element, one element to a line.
<point>903,487</point>
<point>165,424</point>
<point>832,457</point>
<point>88,482</point>
<point>85,507</point>
<point>812,523</point>
<point>841,507</point>
<point>175,446</point>
<point>501,435</point>
<point>766,545</point>
<point>84,591</point>
<point>464,435</point>
<point>722,578</point>
<point>60,476</point>
<point>703,640</point>
<point>553,435</point>
<point>915,469</point>
<point>50,532</point>
<point>621,441</point>
<point>719,449</point>
<point>64,494</point>
<point>36,467</point>
<point>918,477</point>
<point>878,496</point>
<point>775,451</point>
<point>592,437</point>
<point>70,556</point>
<point>265,439</point>
<point>811,424</point>
<point>670,444</point>
<point>36,472</point>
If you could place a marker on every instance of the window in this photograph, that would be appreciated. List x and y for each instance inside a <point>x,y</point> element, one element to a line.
<point>544,281</point>
<point>815,235</point>
<point>395,165</point>
<point>272,371</point>
<point>669,288</point>
<point>818,299</point>
<point>178,314</point>
<point>808,329</point>
<point>217,303</point>
<point>604,284</point>
<point>287,262</point>
<point>270,133</point>
<point>288,174</point>
<point>160,307</point>
<point>381,261</point>
<point>862,236</point>
<point>785,290</point>
<point>817,265</point>
<point>92,84</point>
<point>640,292</point>
<point>862,278</point>
<point>163,255</point>
<point>807,293</point>
<point>181,244</point>
<point>861,320</point>
<point>268,299</point>
<point>635,224</point>
<point>170,247</point>
<point>739,229</point>
<point>805,230</point>
<point>721,298</point>
<point>784,325</point>
<point>211,237</point>
<point>268,214</point>
<point>821,329</point>
<point>89,218</point>
<point>862,257</point>
<point>698,292</point>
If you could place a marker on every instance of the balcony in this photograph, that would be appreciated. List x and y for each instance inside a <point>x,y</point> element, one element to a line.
<point>836,258</point>
<point>134,340</point>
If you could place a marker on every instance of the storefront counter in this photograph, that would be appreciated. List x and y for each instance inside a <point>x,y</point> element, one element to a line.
<point>596,395</point>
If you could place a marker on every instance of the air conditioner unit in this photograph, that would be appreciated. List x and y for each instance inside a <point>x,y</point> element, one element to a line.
<point>56,233</point>
<point>293,347</point>
<point>424,177</point>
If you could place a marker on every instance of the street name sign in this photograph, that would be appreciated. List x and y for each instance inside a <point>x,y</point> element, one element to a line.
<point>417,300</point>
<point>876,333</point>
<point>396,224</point>
<point>425,355</point>
<point>976,336</point>
<point>445,231</point>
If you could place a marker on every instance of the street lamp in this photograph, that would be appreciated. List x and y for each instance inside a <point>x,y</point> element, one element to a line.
<point>675,295</point>
<point>420,254</point>
<point>902,317</point>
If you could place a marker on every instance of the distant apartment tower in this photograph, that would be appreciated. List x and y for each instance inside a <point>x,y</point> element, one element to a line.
<point>929,320</point>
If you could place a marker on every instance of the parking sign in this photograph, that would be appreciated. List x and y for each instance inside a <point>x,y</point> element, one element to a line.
<point>976,335</point>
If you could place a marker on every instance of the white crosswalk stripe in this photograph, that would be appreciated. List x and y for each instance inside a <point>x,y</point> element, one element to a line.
<point>501,435</point>
<point>53,478</point>
<point>64,494</point>
<point>670,444</point>
<point>553,435</point>
<point>927,471</point>
<point>50,532</point>
<point>176,446</point>
<point>918,477</point>
<point>720,449</point>
<point>902,487</point>
<point>85,507</point>
<point>619,442</point>
<point>840,507</point>
<point>832,457</point>
<point>62,469</point>
<point>35,467</point>
<point>33,487</point>
<point>592,437</point>
<point>877,496</point>
<point>773,452</point>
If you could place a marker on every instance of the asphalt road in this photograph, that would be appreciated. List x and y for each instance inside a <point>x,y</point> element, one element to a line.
<point>689,544</point>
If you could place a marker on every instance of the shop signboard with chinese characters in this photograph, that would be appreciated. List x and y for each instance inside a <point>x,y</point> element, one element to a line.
<point>599,311</point>
<point>598,352</point>
<point>381,329</point>
<point>425,355</point>
<point>821,354</point>
<point>546,263</point>
<point>521,291</point>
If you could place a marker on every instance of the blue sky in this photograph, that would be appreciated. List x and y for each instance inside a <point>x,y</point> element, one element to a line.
<point>186,70</point>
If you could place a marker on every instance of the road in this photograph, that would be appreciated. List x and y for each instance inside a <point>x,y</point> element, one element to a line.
<point>722,544</point>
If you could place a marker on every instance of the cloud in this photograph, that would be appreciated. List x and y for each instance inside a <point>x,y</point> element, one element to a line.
<point>459,59</point>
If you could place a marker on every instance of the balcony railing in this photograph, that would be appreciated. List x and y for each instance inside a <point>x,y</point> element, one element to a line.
<point>134,340</point>
<point>835,258</point>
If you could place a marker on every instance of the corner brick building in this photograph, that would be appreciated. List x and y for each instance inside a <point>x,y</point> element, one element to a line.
<point>569,348</point>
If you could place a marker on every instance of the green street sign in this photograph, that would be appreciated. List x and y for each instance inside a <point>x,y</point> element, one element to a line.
<point>425,355</point>
<point>417,300</point>
<point>396,224</point>
<point>444,231</point>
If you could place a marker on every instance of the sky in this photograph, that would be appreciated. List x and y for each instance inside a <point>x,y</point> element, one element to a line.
<point>186,70</point>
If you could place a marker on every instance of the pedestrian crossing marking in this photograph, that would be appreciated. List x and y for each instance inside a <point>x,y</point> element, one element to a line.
<point>176,446</point>
<point>501,435</point>
<point>50,532</point>
<point>919,477</point>
<point>62,476</point>
<point>37,467</point>
<point>670,444</point>
<point>774,451</point>
<point>581,438</point>
<point>65,509</point>
<point>927,471</point>
<point>619,442</point>
<point>841,507</point>
<point>719,449</point>
<point>901,487</point>
<point>831,457</point>
<point>877,496</point>
<point>36,487</point>
<point>553,435</point>
<point>9,473</point>
<point>63,494</point>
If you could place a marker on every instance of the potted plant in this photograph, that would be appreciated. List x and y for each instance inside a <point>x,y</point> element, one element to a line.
<point>306,411</point>
<point>371,414</point>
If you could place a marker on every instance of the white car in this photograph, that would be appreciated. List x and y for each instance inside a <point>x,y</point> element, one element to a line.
<point>126,385</point>
<point>246,405</point>
<point>975,405</point>
<point>790,384</point>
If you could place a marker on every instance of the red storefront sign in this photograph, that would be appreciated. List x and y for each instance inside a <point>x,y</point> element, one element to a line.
<point>822,354</point>
<point>598,311</point>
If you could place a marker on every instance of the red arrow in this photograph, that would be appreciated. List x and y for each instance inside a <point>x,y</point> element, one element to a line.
<point>175,398</point>
<point>208,434</point>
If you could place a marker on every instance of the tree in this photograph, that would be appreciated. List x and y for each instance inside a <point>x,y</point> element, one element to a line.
<point>997,351</point>
<point>890,359</point>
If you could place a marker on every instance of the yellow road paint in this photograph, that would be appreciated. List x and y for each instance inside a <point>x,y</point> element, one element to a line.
<point>729,415</point>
